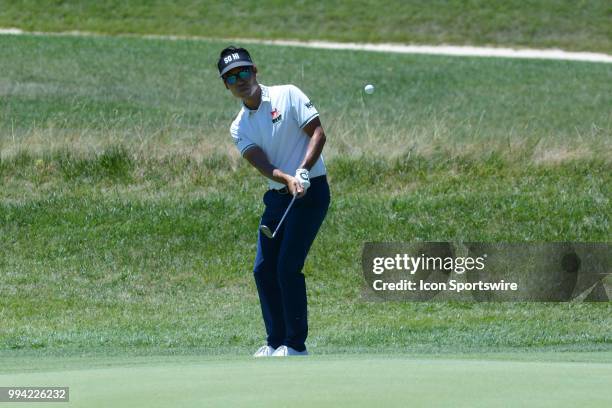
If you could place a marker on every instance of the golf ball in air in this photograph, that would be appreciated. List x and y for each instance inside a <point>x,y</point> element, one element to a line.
<point>369,89</point>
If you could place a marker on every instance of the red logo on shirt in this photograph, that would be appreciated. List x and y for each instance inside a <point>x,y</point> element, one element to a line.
<point>276,116</point>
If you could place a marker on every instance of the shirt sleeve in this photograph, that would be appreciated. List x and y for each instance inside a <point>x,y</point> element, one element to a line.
<point>241,141</point>
<point>302,108</point>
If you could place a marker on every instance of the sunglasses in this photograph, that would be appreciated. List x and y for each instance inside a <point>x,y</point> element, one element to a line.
<point>244,74</point>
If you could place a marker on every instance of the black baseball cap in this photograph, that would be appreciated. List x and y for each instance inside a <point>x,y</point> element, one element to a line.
<point>233,57</point>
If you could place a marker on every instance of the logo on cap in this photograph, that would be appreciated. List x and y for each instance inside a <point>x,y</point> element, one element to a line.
<point>231,57</point>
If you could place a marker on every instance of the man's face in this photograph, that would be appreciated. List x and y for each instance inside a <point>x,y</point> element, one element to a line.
<point>241,81</point>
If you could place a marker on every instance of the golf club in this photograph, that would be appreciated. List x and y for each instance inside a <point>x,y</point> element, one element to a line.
<point>267,231</point>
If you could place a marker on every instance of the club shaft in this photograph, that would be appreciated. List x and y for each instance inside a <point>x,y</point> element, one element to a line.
<point>284,215</point>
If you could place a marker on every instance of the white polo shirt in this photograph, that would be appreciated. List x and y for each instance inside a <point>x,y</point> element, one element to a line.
<point>277,128</point>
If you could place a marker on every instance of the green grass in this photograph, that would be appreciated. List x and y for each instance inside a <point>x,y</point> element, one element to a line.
<point>164,97</point>
<point>158,255</point>
<point>128,223</point>
<point>566,24</point>
<point>328,381</point>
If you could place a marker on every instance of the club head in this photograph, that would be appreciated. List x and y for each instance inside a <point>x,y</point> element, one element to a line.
<point>266,231</point>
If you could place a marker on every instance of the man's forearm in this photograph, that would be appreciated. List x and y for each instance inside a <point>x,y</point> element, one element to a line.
<point>315,148</point>
<point>259,160</point>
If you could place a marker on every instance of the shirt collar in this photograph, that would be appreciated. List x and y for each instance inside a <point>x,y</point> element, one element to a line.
<point>265,93</point>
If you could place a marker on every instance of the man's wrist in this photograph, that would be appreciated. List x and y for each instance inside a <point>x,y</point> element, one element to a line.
<point>280,177</point>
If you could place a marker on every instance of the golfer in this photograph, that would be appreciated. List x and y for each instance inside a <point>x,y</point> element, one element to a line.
<point>278,132</point>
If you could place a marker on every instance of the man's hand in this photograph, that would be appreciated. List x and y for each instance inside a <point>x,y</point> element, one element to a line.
<point>294,186</point>
<point>303,177</point>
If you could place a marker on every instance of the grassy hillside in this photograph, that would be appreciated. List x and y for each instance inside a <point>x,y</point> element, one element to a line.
<point>118,251</point>
<point>165,97</point>
<point>564,24</point>
<point>128,222</point>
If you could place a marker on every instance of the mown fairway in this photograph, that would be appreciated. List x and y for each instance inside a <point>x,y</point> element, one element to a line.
<point>128,223</point>
<point>509,380</point>
<point>564,24</point>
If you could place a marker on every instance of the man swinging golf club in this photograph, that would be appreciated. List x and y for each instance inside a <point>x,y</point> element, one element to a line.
<point>278,132</point>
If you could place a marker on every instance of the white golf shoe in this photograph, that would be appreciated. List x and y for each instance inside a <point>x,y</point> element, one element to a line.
<point>285,351</point>
<point>264,351</point>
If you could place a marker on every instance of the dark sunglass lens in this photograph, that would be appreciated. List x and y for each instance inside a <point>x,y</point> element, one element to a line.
<point>231,80</point>
<point>246,74</point>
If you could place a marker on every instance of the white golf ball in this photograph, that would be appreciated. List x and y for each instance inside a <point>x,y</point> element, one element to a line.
<point>369,89</point>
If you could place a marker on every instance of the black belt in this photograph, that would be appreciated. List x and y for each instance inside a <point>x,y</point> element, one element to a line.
<point>285,190</point>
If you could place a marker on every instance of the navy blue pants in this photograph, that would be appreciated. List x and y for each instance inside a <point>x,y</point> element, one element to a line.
<point>278,265</point>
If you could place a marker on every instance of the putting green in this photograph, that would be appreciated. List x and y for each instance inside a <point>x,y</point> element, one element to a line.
<point>323,381</point>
